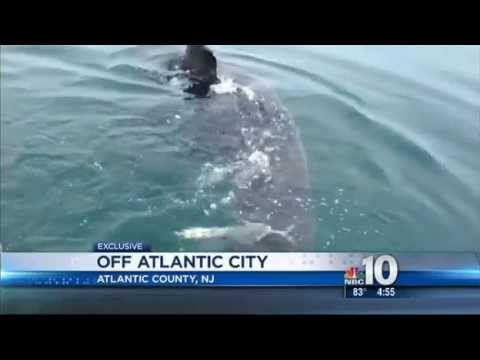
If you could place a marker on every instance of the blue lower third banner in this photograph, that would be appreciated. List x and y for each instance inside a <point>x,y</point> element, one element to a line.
<point>219,279</point>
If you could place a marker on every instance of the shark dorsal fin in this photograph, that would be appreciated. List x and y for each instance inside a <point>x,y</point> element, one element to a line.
<point>201,64</point>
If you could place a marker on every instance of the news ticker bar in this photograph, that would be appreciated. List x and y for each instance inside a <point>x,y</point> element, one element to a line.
<point>232,269</point>
<point>238,279</point>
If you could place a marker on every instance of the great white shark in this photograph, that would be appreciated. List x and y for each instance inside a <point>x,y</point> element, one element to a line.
<point>262,153</point>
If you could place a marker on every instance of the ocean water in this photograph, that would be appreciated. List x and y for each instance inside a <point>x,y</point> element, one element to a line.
<point>91,150</point>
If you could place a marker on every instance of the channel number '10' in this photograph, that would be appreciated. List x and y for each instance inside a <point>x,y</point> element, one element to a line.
<point>374,270</point>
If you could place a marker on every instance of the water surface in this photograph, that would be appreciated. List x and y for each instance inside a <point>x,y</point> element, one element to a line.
<point>90,148</point>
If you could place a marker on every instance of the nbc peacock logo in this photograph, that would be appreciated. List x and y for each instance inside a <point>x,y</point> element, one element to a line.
<point>354,276</point>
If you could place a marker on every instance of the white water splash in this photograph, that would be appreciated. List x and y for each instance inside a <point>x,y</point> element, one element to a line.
<point>247,233</point>
<point>98,165</point>
<point>212,174</point>
<point>254,166</point>
<point>229,86</point>
<point>249,92</point>
<point>226,86</point>
<point>228,199</point>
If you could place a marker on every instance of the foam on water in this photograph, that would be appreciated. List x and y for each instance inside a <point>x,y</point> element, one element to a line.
<point>199,233</point>
<point>212,174</point>
<point>260,160</point>
<point>245,171</point>
<point>226,86</point>
<point>246,233</point>
<point>229,86</point>
<point>228,199</point>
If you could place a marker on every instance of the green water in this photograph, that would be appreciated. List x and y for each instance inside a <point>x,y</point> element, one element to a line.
<point>90,148</point>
